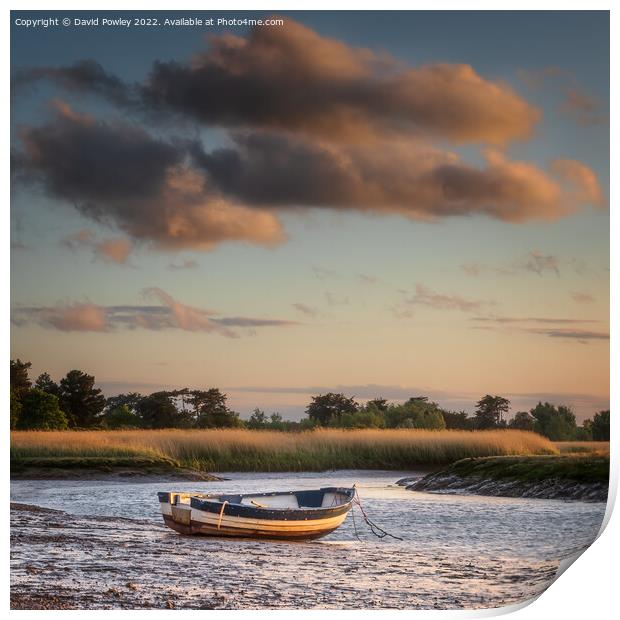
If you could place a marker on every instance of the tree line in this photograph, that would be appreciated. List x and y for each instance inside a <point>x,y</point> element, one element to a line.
<point>558,423</point>
<point>75,402</point>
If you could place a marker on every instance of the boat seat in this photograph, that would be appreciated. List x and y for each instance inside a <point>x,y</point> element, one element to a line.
<point>274,501</point>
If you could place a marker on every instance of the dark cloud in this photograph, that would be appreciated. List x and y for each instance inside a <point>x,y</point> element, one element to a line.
<point>293,79</point>
<point>170,314</point>
<point>296,80</point>
<point>415,180</point>
<point>83,76</point>
<point>119,174</point>
<point>314,122</point>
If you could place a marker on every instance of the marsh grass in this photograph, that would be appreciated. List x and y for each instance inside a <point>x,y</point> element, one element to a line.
<point>248,450</point>
<point>579,468</point>
<point>600,448</point>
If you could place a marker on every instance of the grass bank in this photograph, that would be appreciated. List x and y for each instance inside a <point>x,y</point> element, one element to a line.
<point>101,467</point>
<point>246,450</point>
<point>582,477</point>
<point>531,468</point>
<point>600,448</point>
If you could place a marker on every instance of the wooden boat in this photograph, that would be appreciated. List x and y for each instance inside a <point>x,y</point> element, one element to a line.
<point>294,515</point>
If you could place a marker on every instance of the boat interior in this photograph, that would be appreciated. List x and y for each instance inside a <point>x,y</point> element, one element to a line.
<point>295,500</point>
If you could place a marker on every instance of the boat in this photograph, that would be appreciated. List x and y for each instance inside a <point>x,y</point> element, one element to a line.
<point>290,515</point>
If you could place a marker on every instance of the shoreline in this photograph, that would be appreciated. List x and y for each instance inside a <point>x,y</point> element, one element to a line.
<point>582,478</point>
<point>128,469</point>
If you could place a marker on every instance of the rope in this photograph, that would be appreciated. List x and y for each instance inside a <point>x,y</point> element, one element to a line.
<point>219,521</point>
<point>378,531</point>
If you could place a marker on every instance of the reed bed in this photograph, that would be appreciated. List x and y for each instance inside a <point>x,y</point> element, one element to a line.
<point>248,450</point>
<point>598,448</point>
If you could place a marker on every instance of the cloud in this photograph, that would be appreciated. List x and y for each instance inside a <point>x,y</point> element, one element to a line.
<point>539,263</point>
<point>528,319</point>
<point>322,273</point>
<point>393,176</point>
<point>119,174</point>
<point>326,88</point>
<point>425,296</point>
<point>306,310</point>
<point>169,314</point>
<point>113,250</point>
<point>310,123</point>
<point>401,313</point>
<point>584,108</point>
<point>472,269</point>
<point>83,76</point>
<point>336,300</point>
<point>551,327</point>
<point>571,334</point>
<point>185,264</point>
<point>581,297</point>
<point>368,279</point>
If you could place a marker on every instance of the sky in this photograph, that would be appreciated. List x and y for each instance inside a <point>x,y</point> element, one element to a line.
<point>385,204</point>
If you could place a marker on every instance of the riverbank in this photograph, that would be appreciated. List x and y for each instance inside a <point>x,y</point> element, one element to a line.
<point>223,450</point>
<point>546,477</point>
<point>129,468</point>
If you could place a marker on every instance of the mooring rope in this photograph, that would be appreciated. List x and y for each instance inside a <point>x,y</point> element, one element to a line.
<point>219,521</point>
<point>378,531</point>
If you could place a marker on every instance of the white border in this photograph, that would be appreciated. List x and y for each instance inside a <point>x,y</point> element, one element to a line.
<point>588,589</point>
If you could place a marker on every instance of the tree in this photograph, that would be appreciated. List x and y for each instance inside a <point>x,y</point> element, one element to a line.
<point>327,407</point>
<point>415,413</point>
<point>158,411</point>
<point>522,421</point>
<point>555,423</point>
<point>47,384</point>
<point>490,410</point>
<point>210,410</point>
<point>40,411</point>
<point>258,419</point>
<point>381,404</point>
<point>276,422</point>
<point>80,400</point>
<point>584,432</point>
<point>121,417</point>
<point>16,408</point>
<point>600,426</point>
<point>20,382</point>
<point>129,400</point>
<point>458,420</point>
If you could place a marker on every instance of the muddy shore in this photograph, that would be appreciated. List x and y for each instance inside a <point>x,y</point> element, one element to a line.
<point>63,561</point>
